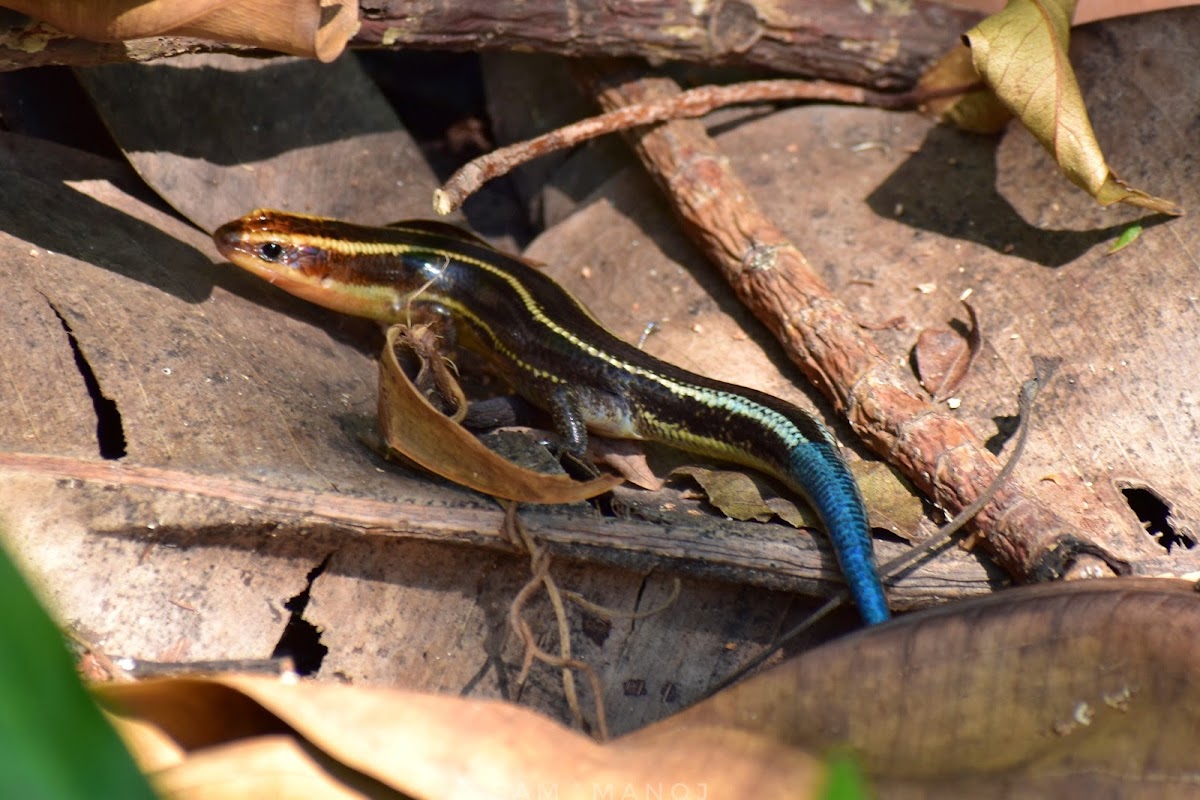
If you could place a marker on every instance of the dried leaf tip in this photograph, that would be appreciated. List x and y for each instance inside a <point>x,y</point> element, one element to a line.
<point>1021,53</point>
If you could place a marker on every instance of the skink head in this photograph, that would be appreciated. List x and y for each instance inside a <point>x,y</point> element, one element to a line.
<point>273,245</point>
<point>313,258</point>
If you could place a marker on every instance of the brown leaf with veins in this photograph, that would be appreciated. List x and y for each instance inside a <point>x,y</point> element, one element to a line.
<point>977,109</point>
<point>629,460</point>
<point>736,494</point>
<point>1022,54</point>
<point>892,502</point>
<point>240,736</point>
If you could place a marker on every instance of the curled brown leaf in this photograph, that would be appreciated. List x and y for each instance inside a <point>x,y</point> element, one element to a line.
<point>414,428</point>
<point>944,357</point>
<point>1068,690</point>
<point>240,736</point>
<point>976,108</point>
<point>1022,54</point>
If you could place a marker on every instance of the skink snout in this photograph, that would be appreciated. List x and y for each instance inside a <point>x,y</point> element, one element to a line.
<point>250,237</point>
<point>230,238</point>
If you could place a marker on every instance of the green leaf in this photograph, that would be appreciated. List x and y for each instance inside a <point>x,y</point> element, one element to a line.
<point>844,779</point>
<point>54,742</point>
<point>1127,237</point>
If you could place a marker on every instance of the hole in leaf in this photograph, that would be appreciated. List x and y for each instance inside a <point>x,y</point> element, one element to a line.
<point>1155,515</point>
<point>110,430</point>
<point>301,640</point>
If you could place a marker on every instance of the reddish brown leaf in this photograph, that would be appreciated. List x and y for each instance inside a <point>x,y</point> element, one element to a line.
<point>1072,690</point>
<point>944,356</point>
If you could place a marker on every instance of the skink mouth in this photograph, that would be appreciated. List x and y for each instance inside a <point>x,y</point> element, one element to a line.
<point>229,238</point>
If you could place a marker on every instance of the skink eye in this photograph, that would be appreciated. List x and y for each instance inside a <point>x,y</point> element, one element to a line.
<point>271,251</point>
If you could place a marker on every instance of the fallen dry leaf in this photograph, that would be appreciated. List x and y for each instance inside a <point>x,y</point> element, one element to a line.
<point>422,433</point>
<point>892,503</point>
<point>1022,54</point>
<point>734,493</point>
<point>944,356</point>
<point>629,460</point>
<point>427,746</point>
<point>1071,690</point>
<point>299,27</point>
<point>977,110</point>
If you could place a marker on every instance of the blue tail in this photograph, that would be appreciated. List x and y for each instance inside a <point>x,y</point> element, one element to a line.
<point>826,480</point>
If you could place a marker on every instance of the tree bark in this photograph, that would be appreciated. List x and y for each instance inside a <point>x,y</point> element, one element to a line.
<point>886,46</point>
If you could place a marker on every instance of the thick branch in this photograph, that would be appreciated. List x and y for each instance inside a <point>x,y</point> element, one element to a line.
<point>762,555</point>
<point>885,48</point>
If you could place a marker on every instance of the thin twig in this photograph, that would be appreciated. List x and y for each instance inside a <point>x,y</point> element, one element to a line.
<point>686,105</point>
<point>605,612</point>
